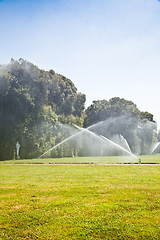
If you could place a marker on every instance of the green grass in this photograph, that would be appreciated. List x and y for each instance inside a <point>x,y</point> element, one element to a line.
<point>112,159</point>
<point>79,201</point>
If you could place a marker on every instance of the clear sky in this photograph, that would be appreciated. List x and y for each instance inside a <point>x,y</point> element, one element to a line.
<point>108,48</point>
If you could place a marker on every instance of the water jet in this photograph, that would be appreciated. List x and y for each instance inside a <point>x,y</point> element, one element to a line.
<point>100,137</point>
<point>108,140</point>
<point>155,147</point>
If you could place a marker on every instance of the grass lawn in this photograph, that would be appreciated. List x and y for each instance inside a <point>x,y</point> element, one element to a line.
<point>79,201</point>
<point>112,159</point>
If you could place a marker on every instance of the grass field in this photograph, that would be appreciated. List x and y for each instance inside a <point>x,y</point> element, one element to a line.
<point>80,201</point>
<point>116,159</point>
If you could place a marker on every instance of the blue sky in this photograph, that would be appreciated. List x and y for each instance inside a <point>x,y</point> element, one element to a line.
<point>108,48</point>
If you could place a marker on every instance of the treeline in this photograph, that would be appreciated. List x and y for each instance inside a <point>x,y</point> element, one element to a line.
<point>38,108</point>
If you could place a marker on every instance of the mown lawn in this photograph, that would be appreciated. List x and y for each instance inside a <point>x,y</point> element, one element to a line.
<point>111,159</point>
<point>79,202</point>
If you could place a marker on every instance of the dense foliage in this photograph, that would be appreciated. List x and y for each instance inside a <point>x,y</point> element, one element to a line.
<point>38,108</point>
<point>33,103</point>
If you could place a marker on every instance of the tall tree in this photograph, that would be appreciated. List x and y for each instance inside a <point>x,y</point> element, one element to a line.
<point>33,102</point>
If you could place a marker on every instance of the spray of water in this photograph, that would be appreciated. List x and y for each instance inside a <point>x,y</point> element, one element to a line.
<point>65,140</point>
<point>126,143</point>
<point>101,138</point>
<point>118,146</point>
<point>108,140</point>
<point>156,146</point>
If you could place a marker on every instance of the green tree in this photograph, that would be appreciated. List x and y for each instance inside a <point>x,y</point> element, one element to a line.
<point>33,102</point>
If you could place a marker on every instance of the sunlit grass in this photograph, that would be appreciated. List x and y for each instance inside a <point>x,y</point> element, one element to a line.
<point>110,159</point>
<point>79,202</point>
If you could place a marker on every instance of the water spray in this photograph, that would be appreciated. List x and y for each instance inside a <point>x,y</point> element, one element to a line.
<point>65,140</point>
<point>106,139</point>
<point>156,146</point>
<point>101,138</point>
<point>115,144</point>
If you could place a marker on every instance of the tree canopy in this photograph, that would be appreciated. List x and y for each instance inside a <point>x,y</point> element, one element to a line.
<point>32,99</point>
<point>37,107</point>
